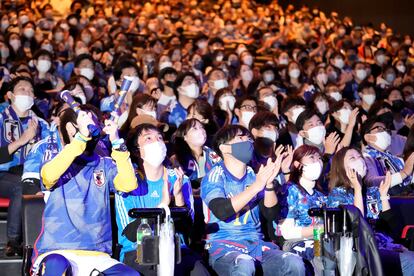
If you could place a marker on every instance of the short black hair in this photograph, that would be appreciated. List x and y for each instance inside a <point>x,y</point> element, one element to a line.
<point>132,141</point>
<point>365,85</point>
<point>166,71</point>
<point>290,102</point>
<point>82,57</point>
<point>227,133</point>
<point>16,80</point>
<point>263,118</point>
<point>367,126</point>
<point>122,64</point>
<point>241,100</point>
<point>304,116</point>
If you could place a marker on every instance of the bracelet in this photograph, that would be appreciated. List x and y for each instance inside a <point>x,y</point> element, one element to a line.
<point>387,197</point>
<point>269,189</point>
<point>286,173</point>
<point>405,175</point>
<point>81,137</point>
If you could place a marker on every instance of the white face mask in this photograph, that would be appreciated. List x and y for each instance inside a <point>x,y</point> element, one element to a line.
<point>271,101</point>
<point>29,33</point>
<point>269,134</point>
<point>43,65</point>
<point>150,113</point>
<point>361,74</point>
<point>219,84</point>
<point>87,73</point>
<point>294,73</point>
<point>198,137</point>
<point>383,140</point>
<point>247,75</point>
<point>316,135</point>
<point>23,102</point>
<point>401,68</point>
<point>323,78</point>
<point>268,77</point>
<point>154,153</point>
<point>344,115</point>
<point>202,44</point>
<point>228,100</point>
<point>369,99</point>
<point>312,171</point>
<point>248,60</point>
<point>390,77</point>
<point>336,96</point>
<point>381,59</point>
<point>246,117</point>
<point>339,62</point>
<point>15,43</point>
<point>322,106</point>
<point>359,166</point>
<point>296,112</point>
<point>81,97</point>
<point>190,91</point>
<point>283,61</point>
<point>165,64</point>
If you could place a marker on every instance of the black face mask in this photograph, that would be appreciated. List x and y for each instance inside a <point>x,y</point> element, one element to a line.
<point>170,84</point>
<point>397,106</point>
<point>264,146</point>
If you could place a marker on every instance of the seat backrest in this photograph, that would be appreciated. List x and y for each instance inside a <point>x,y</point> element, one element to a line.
<point>32,211</point>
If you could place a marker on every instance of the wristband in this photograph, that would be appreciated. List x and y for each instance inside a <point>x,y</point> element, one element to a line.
<point>286,173</point>
<point>81,137</point>
<point>117,142</point>
<point>269,189</point>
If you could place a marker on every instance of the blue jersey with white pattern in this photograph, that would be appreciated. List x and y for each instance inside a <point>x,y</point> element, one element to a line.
<point>341,196</point>
<point>147,195</point>
<point>177,115</point>
<point>295,203</point>
<point>12,128</point>
<point>77,214</point>
<point>245,225</point>
<point>42,152</point>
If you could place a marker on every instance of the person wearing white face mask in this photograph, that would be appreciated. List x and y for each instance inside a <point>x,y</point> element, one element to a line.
<point>368,96</point>
<point>246,58</point>
<point>347,179</point>
<point>158,185</point>
<point>85,66</point>
<point>223,106</point>
<point>187,91</point>
<point>294,74</point>
<point>244,109</point>
<point>242,84</point>
<point>191,152</point>
<point>337,60</point>
<point>377,138</point>
<point>216,80</point>
<point>291,108</point>
<point>342,121</point>
<point>299,195</point>
<point>358,77</point>
<point>20,130</point>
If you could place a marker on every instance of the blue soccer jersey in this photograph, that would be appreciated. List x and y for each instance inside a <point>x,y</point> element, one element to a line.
<point>177,115</point>
<point>12,128</point>
<point>296,202</point>
<point>147,195</point>
<point>245,225</point>
<point>42,152</point>
<point>342,196</point>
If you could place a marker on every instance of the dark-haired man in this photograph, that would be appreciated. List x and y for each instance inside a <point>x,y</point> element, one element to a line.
<point>235,197</point>
<point>20,130</point>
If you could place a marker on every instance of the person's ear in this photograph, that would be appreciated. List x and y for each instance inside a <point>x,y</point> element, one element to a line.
<point>296,164</point>
<point>303,133</point>
<point>255,132</point>
<point>10,95</point>
<point>370,138</point>
<point>237,112</point>
<point>76,70</point>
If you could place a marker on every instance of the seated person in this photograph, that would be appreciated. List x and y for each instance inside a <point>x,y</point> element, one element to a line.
<point>376,138</point>
<point>348,174</point>
<point>156,184</point>
<point>298,196</point>
<point>235,197</point>
<point>76,234</point>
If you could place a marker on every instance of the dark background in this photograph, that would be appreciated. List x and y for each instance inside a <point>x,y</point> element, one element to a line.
<point>399,14</point>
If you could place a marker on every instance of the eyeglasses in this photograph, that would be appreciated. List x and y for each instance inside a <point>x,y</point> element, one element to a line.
<point>379,129</point>
<point>249,107</point>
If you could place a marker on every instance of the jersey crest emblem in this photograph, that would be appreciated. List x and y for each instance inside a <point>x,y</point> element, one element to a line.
<point>11,130</point>
<point>99,178</point>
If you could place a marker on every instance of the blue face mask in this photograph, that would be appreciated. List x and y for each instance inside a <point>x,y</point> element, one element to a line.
<point>242,151</point>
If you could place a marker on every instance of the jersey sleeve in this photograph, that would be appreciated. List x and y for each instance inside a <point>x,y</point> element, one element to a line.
<point>33,162</point>
<point>338,197</point>
<point>292,202</point>
<point>212,185</point>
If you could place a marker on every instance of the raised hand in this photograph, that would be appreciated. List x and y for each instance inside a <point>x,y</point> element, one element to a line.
<point>331,143</point>
<point>84,119</point>
<point>353,178</point>
<point>287,161</point>
<point>30,132</point>
<point>111,128</point>
<point>385,185</point>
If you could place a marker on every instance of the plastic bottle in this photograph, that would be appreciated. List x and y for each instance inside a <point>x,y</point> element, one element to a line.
<point>317,234</point>
<point>144,229</point>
